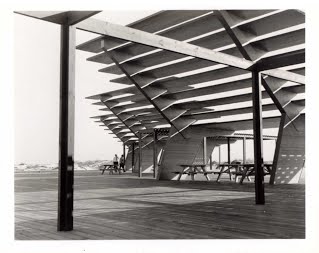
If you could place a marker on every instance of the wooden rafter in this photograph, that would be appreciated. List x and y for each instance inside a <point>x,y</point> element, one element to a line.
<point>156,41</point>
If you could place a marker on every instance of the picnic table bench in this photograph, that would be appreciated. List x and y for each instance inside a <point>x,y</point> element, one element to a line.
<point>192,170</point>
<point>239,170</point>
<point>110,168</point>
<point>244,170</point>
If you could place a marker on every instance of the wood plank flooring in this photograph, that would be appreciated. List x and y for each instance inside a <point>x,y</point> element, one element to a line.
<point>125,207</point>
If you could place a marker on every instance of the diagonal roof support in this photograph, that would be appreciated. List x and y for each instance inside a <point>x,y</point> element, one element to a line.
<point>160,42</point>
<point>122,121</point>
<point>221,15</point>
<point>132,79</point>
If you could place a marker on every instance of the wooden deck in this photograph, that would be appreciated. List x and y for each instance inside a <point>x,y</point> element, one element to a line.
<point>125,207</point>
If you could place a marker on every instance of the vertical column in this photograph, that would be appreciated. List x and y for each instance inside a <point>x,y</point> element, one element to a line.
<point>140,155</point>
<point>211,161</point>
<point>155,154</point>
<point>219,154</point>
<point>258,138</point>
<point>66,130</point>
<point>133,156</point>
<point>244,150</point>
<point>228,149</point>
<point>204,150</point>
<point>124,154</point>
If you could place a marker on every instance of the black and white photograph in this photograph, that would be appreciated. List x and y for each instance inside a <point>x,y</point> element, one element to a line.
<point>164,128</point>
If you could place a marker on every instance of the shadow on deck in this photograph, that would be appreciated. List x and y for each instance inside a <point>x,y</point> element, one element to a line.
<point>125,207</point>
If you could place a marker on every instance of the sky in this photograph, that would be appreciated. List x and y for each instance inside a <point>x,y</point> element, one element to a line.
<point>36,95</point>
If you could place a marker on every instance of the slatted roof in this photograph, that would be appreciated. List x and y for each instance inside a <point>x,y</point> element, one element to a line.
<point>167,88</point>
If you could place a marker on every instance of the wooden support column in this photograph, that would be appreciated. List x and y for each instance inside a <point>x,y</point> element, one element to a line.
<point>244,150</point>
<point>211,161</point>
<point>155,154</point>
<point>258,138</point>
<point>205,150</point>
<point>133,154</point>
<point>66,130</point>
<point>228,149</point>
<point>124,154</point>
<point>140,155</point>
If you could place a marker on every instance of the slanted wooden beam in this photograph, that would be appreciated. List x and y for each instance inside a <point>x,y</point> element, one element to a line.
<point>156,41</point>
<point>138,86</point>
<point>222,17</point>
<point>258,139</point>
<point>277,149</point>
<point>120,118</point>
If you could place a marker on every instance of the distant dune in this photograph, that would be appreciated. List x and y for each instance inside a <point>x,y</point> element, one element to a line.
<point>87,165</point>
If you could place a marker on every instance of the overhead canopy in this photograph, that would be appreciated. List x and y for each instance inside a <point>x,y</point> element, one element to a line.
<point>193,68</point>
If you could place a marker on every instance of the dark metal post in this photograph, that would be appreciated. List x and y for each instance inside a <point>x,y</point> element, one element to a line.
<point>244,150</point>
<point>124,154</point>
<point>205,150</point>
<point>133,156</point>
<point>155,154</point>
<point>258,138</point>
<point>228,149</point>
<point>140,155</point>
<point>66,131</point>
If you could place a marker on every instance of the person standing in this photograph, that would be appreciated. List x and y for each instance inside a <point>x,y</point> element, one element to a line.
<point>115,162</point>
<point>122,163</point>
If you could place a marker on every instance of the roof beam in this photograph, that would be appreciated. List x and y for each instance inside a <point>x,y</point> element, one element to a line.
<point>156,41</point>
<point>282,60</point>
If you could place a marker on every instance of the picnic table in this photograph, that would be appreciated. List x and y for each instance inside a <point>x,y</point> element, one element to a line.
<point>230,169</point>
<point>192,169</point>
<point>110,168</point>
<point>249,170</point>
<point>244,170</point>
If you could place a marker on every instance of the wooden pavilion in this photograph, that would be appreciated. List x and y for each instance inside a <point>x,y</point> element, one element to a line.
<point>191,76</point>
